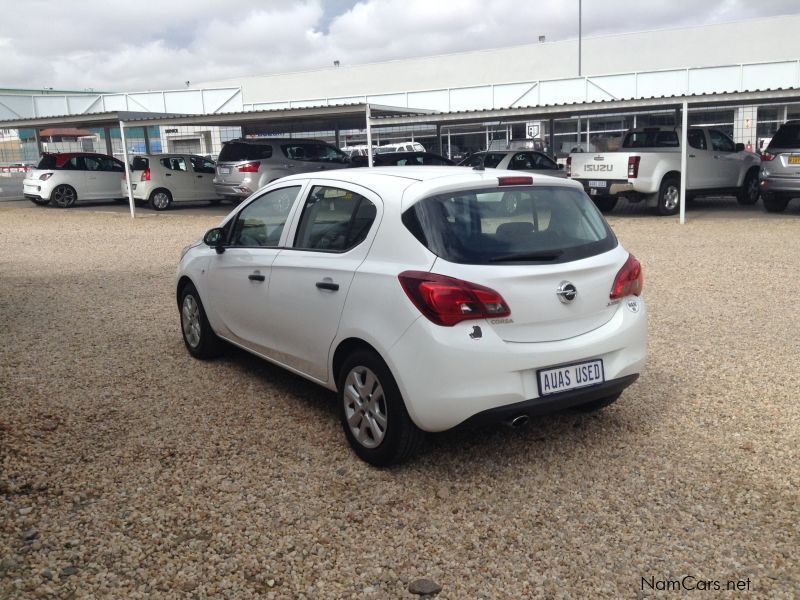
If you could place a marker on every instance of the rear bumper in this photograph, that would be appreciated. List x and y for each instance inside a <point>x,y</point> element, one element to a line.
<point>612,188</point>
<point>780,184</point>
<point>238,190</point>
<point>550,404</point>
<point>447,376</point>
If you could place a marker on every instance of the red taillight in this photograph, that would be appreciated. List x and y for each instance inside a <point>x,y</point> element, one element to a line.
<point>633,166</point>
<point>569,166</point>
<point>766,157</point>
<point>251,167</point>
<point>145,175</point>
<point>447,301</point>
<point>515,180</point>
<point>629,279</point>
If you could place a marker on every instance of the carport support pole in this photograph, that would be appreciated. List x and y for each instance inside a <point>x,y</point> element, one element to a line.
<point>369,136</point>
<point>684,151</point>
<point>146,140</point>
<point>127,169</point>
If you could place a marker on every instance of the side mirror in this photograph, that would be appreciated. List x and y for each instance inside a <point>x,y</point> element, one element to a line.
<point>214,238</point>
<point>740,147</point>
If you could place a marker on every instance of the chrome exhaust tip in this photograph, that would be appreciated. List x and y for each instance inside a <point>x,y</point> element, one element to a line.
<point>519,421</point>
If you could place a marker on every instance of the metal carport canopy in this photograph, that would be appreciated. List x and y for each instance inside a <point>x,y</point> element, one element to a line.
<point>682,102</point>
<point>621,105</point>
<point>281,120</point>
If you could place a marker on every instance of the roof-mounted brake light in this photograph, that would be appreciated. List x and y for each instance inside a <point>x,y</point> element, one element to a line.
<point>515,180</point>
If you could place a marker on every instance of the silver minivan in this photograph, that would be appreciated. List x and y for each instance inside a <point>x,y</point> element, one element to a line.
<point>246,165</point>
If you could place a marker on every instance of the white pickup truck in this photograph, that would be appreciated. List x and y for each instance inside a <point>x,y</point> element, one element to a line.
<point>648,167</point>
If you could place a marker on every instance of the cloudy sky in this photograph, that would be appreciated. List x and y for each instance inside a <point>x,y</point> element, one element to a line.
<point>128,46</point>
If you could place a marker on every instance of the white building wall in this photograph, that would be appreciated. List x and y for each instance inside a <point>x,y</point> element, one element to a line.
<point>751,41</point>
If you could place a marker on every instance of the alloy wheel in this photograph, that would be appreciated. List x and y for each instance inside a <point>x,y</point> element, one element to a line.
<point>64,196</point>
<point>671,197</point>
<point>190,321</point>
<point>365,407</point>
<point>160,200</point>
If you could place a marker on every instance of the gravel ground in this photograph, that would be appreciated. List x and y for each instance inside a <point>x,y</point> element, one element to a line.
<point>128,469</point>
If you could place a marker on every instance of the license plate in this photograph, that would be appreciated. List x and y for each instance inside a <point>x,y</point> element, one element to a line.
<point>597,184</point>
<point>794,160</point>
<point>224,170</point>
<point>570,377</point>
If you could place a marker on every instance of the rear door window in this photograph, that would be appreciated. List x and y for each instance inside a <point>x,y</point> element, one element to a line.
<point>239,151</point>
<point>334,220</point>
<point>697,139</point>
<point>548,224</point>
<point>92,163</point>
<point>521,161</point>
<point>71,163</point>
<point>174,163</point>
<point>493,159</point>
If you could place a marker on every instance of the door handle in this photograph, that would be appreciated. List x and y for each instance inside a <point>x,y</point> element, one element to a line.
<point>256,277</point>
<point>691,156</point>
<point>168,174</point>
<point>716,156</point>
<point>289,166</point>
<point>328,285</point>
<point>199,176</point>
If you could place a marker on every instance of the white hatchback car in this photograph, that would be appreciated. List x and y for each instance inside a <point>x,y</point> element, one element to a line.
<point>67,177</point>
<point>161,179</point>
<point>415,295</point>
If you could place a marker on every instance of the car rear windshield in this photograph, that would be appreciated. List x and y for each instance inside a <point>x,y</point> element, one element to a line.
<point>237,151</point>
<point>651,139</point>
<point>542,224</point>
<point>48,161</point>
<point>140,163</point>
<point>788,136</point>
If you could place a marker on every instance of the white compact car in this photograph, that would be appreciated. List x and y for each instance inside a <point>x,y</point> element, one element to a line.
<point>161,179</point>
<point>414,294</point>
<point>65,178</point>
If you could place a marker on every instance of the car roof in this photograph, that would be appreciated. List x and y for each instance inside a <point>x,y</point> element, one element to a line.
<point>271,140</point>
<point>426,180</point>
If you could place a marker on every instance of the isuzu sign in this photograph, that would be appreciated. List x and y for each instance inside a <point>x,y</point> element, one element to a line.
<point>591,167</point>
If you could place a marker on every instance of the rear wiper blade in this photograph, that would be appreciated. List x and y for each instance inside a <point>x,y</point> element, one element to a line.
<point>548,255</point>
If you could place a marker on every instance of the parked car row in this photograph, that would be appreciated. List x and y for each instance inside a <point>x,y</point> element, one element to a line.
<point>243,167</point>
<point>646,168</point>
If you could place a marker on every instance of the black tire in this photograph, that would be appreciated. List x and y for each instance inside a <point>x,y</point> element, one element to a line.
<point>207,345</point>
<point>401,438</point>
<point>605,203</point>
<point>596,405</point>
<point>40,201</point>
<point>64,196</point>
<point>749,192</point>
<point>160,199</point>
<point>775,203</point>
<point>667,203</point>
